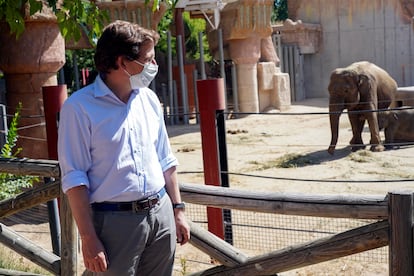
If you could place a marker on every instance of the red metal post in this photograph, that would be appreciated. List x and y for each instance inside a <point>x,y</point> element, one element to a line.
<point>211,98</point>
<point>53,98</point>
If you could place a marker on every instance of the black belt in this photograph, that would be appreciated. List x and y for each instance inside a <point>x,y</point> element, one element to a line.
<point>139,205</point>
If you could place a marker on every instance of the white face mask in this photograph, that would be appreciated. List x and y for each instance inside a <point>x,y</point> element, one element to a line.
<point>144,78</point>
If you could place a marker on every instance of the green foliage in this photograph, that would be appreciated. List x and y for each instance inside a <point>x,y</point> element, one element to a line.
<point>77,15</point>
<point>192,28</point>
<point>156,3</point>
<point>84,59</point>
<point>11,139</point>
<point>73,16</point>
<point>11,185</point>
<point>10,11</point>
<point>280,11</point>
<point>195,26</point>
<point>163,27</point>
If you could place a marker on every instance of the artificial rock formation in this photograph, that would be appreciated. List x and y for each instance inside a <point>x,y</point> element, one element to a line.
<point>246,29</point>
<point>306,36</point>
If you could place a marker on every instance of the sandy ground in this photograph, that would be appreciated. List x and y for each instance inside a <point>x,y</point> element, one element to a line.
<point>254,145</point>
<point>255,142</point>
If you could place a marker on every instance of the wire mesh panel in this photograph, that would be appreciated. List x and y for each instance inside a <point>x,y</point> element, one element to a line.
<point>259,233</point>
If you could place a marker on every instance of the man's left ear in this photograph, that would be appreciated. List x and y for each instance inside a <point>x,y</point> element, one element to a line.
<point>120,62</point>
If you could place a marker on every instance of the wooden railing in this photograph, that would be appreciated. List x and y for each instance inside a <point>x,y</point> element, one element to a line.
<point>67,263</point>
<point>393,211</point>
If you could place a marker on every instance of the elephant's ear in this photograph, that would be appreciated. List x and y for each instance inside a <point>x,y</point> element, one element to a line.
<point>364,84</point>
<point>362,79</point>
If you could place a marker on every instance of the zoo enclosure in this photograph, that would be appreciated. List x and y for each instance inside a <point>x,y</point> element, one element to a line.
<point>292,205</point>
<point>394,213</point>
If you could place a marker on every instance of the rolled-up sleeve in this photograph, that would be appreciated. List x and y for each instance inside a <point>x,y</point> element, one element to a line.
<point>168,162</point>
<point>73,146</point>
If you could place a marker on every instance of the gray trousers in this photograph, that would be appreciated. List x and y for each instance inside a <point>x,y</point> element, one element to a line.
<point>138,244</point>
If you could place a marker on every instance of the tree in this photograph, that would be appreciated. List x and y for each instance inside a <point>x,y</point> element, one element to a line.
<point>193,26</point>
<point>73,16</point>
<point>280,11</point>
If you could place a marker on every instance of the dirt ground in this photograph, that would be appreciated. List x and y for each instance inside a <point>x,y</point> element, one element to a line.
<point>254,145</point>
<point>255,142</point>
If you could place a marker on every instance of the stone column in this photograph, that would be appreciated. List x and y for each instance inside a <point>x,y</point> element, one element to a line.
<point>247,41</point>
<point>29,63</point>
<point>245,53</point>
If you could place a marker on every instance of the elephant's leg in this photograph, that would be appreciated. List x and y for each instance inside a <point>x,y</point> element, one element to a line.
<point>389,133</point>
<point>374,129</point>
<point>357,124</point>
<point>388,140</point>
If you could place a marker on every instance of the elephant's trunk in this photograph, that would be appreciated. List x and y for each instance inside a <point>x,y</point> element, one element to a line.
<point>335,110</point>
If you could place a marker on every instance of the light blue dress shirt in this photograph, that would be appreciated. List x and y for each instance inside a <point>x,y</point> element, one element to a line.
<point>118,150</point>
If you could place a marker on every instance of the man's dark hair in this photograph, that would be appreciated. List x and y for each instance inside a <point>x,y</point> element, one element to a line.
<point>121,38</point>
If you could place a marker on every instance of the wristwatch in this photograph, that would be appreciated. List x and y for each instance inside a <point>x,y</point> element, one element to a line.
<point>180,205</point>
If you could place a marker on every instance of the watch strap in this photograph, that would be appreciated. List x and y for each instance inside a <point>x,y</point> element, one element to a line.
<point>180,205</point>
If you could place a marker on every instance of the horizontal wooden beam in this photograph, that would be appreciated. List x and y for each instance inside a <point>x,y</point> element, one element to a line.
<point>336,246</point>
<point>24,166</point>
<point>30,198</point>
<point>28,249</point>
<point>215,247</point>
<point>336,206</point>
<point>9,272</point>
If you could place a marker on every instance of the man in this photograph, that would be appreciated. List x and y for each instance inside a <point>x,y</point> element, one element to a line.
<point>118,170</point>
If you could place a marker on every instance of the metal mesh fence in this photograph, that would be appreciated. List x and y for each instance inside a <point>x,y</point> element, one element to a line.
<point>259,233</point>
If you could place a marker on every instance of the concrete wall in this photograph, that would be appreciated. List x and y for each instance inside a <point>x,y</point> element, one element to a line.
<point>380,31</point>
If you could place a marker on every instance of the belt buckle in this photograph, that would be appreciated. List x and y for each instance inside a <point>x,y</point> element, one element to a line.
<point>145,204</point>
<point>135,206</point>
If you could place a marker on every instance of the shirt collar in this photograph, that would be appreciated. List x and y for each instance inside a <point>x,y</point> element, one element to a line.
<point>101,89</point>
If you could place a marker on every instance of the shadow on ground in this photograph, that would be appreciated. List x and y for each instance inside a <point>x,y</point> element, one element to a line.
<point>35,215</point>
<point>177,130</point>
<point>323,156</point>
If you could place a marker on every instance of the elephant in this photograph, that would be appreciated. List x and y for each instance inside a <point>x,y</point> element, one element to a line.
<point>362,88</point>
<point>398,125</point>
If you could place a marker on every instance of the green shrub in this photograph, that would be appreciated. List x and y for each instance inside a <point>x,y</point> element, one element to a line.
<point>10,184</point>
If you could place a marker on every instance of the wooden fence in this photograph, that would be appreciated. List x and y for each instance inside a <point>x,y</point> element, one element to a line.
<point>393,212</point>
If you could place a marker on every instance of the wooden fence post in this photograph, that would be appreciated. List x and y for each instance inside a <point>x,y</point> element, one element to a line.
<point>401,234</point>
<point>69,240</point>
